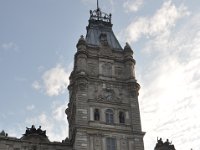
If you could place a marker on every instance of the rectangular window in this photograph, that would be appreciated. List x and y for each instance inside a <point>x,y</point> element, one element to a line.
<point>111,144</point>
<point>109,116</point>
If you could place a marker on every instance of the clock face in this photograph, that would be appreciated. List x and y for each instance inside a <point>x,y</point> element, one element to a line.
<point>108,95</point>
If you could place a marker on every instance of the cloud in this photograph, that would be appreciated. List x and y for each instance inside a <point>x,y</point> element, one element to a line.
<point>169,76</point>
<point>9,46</point>
<point>54,81</point>
<point>36,85</point>
<point>30,107</point>
<point>55,126</point>
<point>170,86</point>
<point>41,68</point>
<point>159,24</point>
<point>58,112</point>
<point>132,5</point>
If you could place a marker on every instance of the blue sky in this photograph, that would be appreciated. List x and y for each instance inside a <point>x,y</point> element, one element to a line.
<point>37,46</point>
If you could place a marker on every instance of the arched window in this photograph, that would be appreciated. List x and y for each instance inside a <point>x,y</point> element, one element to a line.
<point>109,116</point>
<point>96,115</point>
<point>121,117</point>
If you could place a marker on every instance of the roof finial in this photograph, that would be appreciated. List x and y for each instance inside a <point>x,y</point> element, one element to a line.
<point>99,15</point>
<point>97,4</point>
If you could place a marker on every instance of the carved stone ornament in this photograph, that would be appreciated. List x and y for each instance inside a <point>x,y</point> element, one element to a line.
<point>82,86</point>
<point>124,144</point>
<point>160,145</point>
<point>92,69</point>
<point>118,71</point>
<point>105,50</point>
<point>108,95</point>
<point>35,135</point>
<point>107,69</point>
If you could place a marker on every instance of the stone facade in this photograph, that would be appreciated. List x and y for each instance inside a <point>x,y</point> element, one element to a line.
<point>9,143</point>
<point>103,110</point>
<point>33,139</point>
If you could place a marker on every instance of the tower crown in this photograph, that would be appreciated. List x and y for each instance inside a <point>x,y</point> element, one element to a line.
<point>99,30</point>
<point>99,15</point>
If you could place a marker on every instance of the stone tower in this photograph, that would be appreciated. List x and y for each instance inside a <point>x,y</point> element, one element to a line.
<point>103,110</point>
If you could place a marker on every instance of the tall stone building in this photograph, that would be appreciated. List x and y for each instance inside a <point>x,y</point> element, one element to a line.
<point>103,111</point>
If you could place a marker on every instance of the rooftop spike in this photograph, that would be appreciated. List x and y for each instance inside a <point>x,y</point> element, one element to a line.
<point>99,15</point>
<point>97,4</point>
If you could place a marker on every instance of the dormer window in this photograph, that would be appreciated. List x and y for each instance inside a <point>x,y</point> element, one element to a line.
<point>103,39</point>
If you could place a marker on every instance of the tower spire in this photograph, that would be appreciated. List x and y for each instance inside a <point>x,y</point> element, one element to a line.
<point>97,4</point>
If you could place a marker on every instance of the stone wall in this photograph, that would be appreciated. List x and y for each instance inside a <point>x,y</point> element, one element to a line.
<point>10,143</point>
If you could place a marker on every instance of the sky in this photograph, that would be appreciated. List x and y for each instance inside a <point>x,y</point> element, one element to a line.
<point>37,45</point>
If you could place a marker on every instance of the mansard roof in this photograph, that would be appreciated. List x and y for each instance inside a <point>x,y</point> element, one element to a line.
<point>100,29</point>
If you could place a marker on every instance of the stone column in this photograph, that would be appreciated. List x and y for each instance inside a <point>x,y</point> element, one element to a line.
<point>91,114</point>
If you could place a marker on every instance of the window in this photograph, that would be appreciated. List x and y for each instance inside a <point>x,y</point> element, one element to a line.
<point>109,116</point>
<point>96,115</point>
<point>121,117</point>
<point>111,144</point>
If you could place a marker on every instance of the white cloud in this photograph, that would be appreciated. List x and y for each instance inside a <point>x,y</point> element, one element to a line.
<point>59,111</point>
<point>30,107</point>
<point>159,24</point>
<point>55,80</point>
<point>41,68</point>
<point>9,46</point>
<point>36,85</point>
<point>55,126</point>
<point>171,85</point>
<point>46,123</point>
<point>132,5</point>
